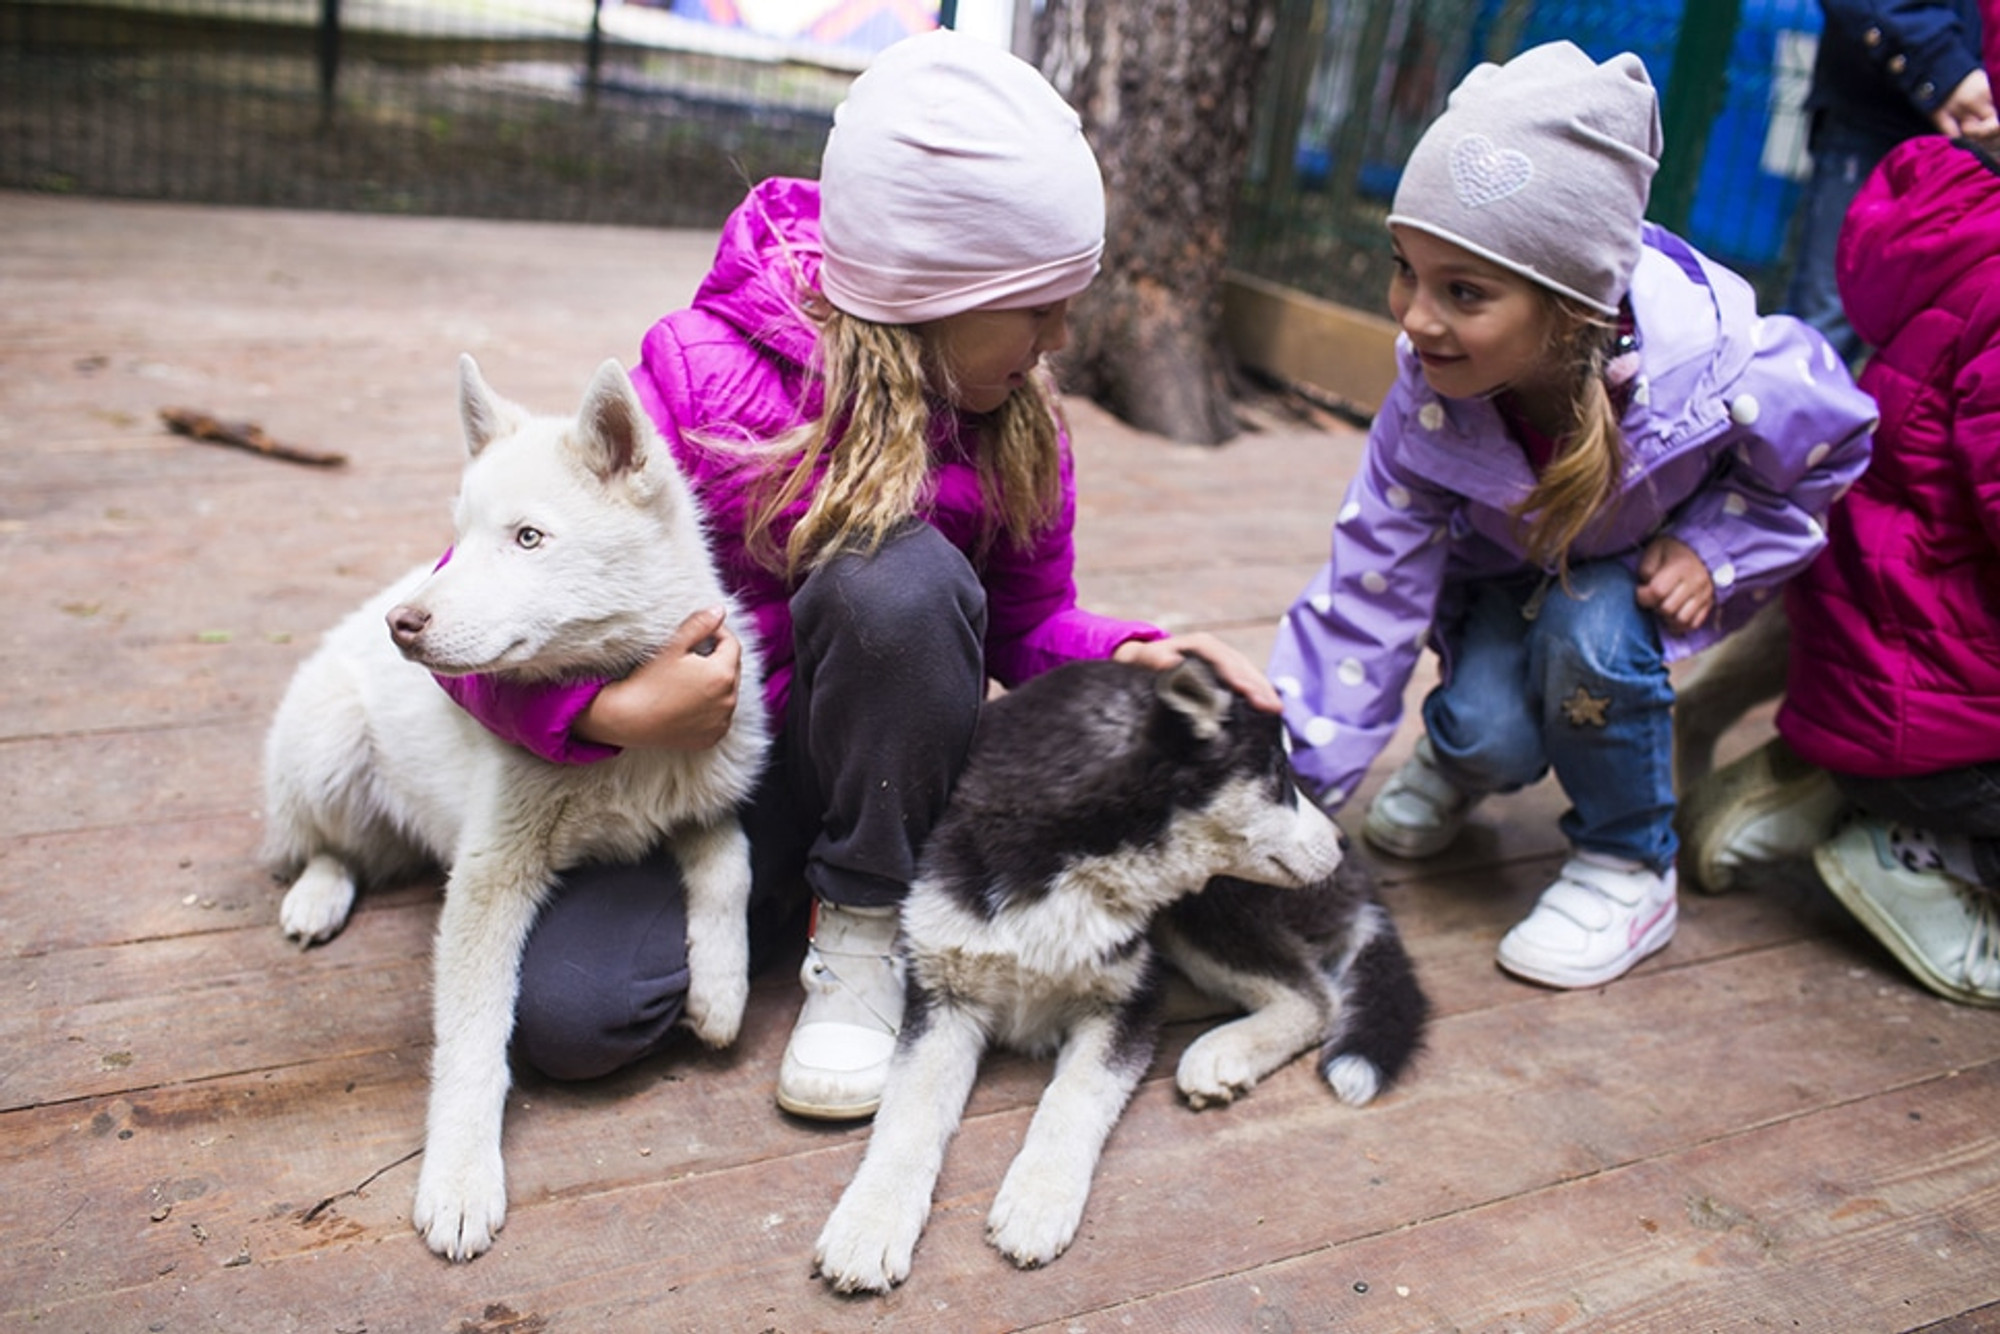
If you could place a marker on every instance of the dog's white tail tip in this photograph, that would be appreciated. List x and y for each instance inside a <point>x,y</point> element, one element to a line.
<point>1354,1079</point>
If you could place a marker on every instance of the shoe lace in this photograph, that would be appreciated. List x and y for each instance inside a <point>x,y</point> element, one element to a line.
<point>1982,946</point>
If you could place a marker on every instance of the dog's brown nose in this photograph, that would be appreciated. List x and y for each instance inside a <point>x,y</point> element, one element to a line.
<point>406,623</point>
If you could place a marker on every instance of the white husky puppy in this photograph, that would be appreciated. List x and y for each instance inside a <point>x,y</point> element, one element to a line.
<point>578,549</point>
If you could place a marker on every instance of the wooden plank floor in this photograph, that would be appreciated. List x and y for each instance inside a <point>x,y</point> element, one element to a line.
<point>202,1127</point>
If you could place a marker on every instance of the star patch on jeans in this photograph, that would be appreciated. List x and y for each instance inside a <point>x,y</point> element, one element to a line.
<point>1584,709</point>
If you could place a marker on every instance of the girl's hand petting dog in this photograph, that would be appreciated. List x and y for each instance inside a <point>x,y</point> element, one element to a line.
<point>1235,669</point>
<point>682,698</point>
<point>1674,584</point>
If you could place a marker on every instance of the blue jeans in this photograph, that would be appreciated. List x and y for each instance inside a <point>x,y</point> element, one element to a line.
<point>1841,161</point>
<point>1540,677</point>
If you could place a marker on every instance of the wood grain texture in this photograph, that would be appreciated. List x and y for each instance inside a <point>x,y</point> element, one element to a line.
<point>204,1127</point>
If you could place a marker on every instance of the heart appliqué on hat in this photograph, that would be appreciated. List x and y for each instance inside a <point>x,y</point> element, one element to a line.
<point>1482,172</point>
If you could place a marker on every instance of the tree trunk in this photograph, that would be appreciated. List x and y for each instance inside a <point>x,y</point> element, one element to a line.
<point>1166,90</point>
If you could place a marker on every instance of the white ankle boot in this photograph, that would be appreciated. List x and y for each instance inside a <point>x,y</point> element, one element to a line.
<point>838,1058</point>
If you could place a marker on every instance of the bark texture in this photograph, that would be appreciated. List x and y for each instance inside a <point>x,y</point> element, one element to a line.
<point>1166,90</point>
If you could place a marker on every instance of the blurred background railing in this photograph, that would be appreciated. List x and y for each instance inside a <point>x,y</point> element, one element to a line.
<point>658,114</point>
<point>1352,83</point>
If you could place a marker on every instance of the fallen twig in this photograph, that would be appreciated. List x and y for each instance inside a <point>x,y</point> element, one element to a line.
<point>199,425</point>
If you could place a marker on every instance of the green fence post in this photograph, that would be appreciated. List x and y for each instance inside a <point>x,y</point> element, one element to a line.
<point>1692,101</point>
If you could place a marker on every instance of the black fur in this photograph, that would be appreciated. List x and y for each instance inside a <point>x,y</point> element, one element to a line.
<point>1100,816</point>
<point>1052,776</point>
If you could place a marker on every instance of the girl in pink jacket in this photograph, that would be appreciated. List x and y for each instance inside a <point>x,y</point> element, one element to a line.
<point>856,395</point>
<point>1892,708</point>
<point>1894,687</point>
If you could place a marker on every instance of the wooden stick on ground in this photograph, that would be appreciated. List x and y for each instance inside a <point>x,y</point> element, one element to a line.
<point>199,425</point>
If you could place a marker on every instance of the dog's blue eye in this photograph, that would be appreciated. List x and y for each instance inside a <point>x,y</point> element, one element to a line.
<point>528,538</point>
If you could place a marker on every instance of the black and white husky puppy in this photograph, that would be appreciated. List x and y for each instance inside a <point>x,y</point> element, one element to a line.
<point>1098,803</point>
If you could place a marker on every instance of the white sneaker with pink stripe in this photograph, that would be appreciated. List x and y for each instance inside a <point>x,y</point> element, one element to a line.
<point>1600,917</point>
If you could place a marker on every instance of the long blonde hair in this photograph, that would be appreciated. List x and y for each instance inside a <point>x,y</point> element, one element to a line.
<point>867,456</point>
<point>1582,480</point>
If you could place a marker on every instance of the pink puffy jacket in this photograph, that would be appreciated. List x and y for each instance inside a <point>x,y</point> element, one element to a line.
<point>733,365</point>
<point>1895,664</point>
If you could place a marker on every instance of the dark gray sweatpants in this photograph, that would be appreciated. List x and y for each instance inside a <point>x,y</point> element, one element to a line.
<point>889,675</point>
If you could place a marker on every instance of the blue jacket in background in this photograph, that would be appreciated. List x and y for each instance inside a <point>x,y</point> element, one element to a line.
<point>1885,65</point>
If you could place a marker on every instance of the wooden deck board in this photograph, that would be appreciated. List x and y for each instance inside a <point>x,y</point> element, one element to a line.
<point>202,1126</point>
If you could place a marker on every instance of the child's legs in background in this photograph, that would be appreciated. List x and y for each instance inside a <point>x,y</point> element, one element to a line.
<point>1964,801</point>
<point>1607,714</point>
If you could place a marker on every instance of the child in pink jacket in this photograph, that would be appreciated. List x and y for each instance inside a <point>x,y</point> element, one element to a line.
<point>1892,710</point>
<point>857,396</point>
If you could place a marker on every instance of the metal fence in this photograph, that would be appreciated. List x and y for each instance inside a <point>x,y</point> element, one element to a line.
<point>655,114</point>
<point>553,109</point>
<point>1354,82</point>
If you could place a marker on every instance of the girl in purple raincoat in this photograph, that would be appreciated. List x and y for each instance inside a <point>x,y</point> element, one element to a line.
<point>1597,457</point>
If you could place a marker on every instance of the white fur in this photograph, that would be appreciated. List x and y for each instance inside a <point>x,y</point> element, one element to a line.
<point>1280,1022</point>
<point>1052,971</point>
<point>1227,1061</point>
<point>577,551</point>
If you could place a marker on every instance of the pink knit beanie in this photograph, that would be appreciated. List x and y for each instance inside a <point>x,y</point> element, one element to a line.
<point>955,177</point>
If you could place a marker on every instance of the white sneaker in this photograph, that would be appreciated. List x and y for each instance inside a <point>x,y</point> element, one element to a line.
<point>1419,811</point>
<point>1600,917</point>
<point>838,1058</point>
<point>1946,932</point>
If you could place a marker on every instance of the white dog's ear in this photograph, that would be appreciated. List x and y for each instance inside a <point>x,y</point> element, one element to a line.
<point>1191,689</point>
<point>486,415</point>
<point>612,429</point>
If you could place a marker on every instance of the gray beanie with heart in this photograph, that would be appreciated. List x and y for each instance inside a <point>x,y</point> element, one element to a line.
<point>1542,165</point>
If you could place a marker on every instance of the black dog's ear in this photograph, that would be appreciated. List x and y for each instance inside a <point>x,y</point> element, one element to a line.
<point>1191,689</point>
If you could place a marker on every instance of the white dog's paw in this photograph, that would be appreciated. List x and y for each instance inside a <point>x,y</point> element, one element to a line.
<point>1035,1216</point>
<point>869,1239</point>
<point>714,1006</point>
<point>317,904</point>
<point>460,1205</point>
<point>1355,1080</point>
<point>1215,1070</point>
